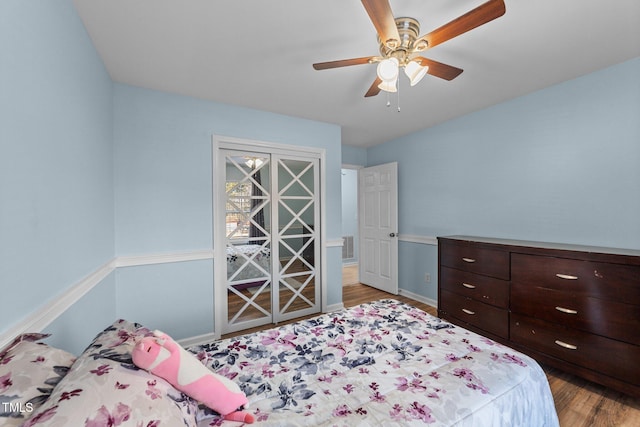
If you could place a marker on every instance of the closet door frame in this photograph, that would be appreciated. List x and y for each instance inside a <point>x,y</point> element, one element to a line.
<point>219,143</point>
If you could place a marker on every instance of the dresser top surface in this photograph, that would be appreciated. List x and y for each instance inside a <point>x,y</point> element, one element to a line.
<point>546,245</point>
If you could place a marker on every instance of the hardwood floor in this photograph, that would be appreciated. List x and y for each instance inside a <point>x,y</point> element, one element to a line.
<point>350,275</point>
<point>582,403</point>
<point>579,403</point>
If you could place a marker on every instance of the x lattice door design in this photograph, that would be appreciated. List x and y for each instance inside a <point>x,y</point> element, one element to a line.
<point>297,211</point>
<point>271,204</point>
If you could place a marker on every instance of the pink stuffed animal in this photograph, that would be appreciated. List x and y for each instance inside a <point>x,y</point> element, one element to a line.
<point>163,357</point>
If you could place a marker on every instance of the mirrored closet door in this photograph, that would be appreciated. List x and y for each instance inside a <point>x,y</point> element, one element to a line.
<point>271,208</point>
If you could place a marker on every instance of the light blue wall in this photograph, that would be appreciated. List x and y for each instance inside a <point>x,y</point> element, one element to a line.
<point>414,260</point>
<point>354,155</point>
<point>56,170</point>
<point>176,298</point>
<point>89,171</point>
<point>82,158</point>
<point>561,164</point>
<point>80,323</point>
<point>350,209</point>
<point>163,187</point>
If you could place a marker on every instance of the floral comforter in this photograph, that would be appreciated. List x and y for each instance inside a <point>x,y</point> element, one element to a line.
<point>380,364</point>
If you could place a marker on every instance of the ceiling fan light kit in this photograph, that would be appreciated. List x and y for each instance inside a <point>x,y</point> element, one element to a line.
<point>415,72</point>
<point>389,86</point>
<point>400,44</point>
<point>388,69</point>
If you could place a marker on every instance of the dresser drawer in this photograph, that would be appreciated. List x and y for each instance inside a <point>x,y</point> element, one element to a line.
<point>603,317</point>
<point>603,355</point>
<point>482,288</point>
<point>599,280</point>
<point>475,259</point>
<point>480,315</point>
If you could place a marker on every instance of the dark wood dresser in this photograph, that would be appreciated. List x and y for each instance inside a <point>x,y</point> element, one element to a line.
<point>573,307</point>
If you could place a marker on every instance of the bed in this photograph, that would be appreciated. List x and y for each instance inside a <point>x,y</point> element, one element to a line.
<point>382,363</point>
<point>378,364</point>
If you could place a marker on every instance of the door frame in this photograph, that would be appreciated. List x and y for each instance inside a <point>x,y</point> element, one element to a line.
<point>355,168</point>
<point>233,143</point>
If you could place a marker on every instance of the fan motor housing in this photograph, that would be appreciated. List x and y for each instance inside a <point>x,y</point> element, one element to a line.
<point>409,30</point>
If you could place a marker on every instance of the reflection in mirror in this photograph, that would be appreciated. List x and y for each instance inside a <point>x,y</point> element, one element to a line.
<point>296,217</point>
<point>248,238</point>
<point>272,244</point>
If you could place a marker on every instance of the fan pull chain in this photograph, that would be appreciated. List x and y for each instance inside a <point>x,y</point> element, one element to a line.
<point>397,94</point>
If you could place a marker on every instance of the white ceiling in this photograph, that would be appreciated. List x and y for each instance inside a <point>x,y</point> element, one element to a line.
<point>258,54</point>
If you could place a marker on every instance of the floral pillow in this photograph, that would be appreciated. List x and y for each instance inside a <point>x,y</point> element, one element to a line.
<point>29,371</point>
<point>105,388</point>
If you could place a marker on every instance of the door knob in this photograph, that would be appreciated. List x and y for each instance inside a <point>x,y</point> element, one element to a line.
<point>392,234</point>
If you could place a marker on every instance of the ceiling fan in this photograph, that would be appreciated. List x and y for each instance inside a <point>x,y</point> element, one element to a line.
<point>401,45</point>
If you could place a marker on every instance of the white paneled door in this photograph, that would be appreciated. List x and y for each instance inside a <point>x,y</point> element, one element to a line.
<point>378,229</point>
<point>271,240</point>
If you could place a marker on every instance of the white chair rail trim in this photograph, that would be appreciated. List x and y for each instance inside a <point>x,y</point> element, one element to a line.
<point>46,314</point>
<point>43,316</point>
<point>165,258</point>
<point>425,240</point>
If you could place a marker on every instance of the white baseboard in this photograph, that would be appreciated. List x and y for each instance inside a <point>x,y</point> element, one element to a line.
<point>199,340</point>
<point>334,307</point>
<point>210,337</point>
<point>418,297</point>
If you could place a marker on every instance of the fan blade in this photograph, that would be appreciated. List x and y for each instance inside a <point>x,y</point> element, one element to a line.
<point>382,17</point>
<point>343,63</point>
<point>482,14</point>
<point>374,89</point>
<point>438,69</point>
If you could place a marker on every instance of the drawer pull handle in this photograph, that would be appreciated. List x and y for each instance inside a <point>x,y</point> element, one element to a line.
<point>567,346</point>
<point>567,310</point>
<point>566,276</point>
<point>469,286</point>
<point>469,260</point>
<point>468,311</point>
